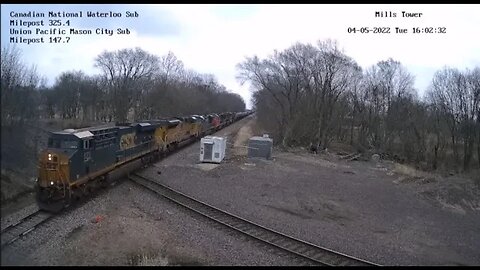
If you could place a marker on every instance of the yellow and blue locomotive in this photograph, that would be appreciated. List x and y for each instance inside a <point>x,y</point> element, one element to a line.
<point>77,162</point>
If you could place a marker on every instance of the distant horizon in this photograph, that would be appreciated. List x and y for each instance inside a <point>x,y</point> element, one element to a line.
<point>213,39</point>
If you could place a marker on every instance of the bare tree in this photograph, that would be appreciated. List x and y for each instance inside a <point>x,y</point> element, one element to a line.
<point>456,95</point>
<point>305,82</point>
<point>128,73</point>
<point>308,94</point>
<point>473,83</point>
<point>385,82</point>
<point>171,68</point>
<point>443,89</point>
<point>19,85</point>
<point>469,95</point>
<point>332,77</point>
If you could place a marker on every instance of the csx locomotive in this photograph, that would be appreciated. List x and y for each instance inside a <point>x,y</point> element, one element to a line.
<point>77,162</point>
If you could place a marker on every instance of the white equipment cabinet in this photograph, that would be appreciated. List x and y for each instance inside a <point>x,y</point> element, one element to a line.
<point>212,149</point>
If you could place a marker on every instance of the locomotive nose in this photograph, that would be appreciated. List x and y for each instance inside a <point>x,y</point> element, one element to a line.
<point>52,168</point>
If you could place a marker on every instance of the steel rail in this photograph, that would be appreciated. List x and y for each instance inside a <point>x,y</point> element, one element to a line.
<point>304,249</point>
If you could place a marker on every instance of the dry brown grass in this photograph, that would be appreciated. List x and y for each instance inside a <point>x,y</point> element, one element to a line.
<point>14,185</point>
<point>161,258</point>
<point>147,260</point>
<point>148,257</point>
<point>409,171</point>
<point>343,148</point>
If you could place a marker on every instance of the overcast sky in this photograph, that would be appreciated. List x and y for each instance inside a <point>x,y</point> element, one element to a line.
<point>214,38</point>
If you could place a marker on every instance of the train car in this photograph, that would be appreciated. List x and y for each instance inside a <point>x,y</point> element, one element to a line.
<point>241,115</point>
<point>171,132</point>
<point>174,133</point>
<point>204,124</point>
<point>76,161</point>
<point>160,134</point>
<point>223,119</point>
<point>226,118</point>
<point>238,116</point>
<point>214,121</point>
<point>193,126</point>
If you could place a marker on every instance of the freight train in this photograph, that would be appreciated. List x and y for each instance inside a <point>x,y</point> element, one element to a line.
<point>79,161</point>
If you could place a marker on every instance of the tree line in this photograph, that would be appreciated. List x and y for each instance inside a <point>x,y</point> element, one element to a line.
<point>317,95</point>
<point>132,85</point>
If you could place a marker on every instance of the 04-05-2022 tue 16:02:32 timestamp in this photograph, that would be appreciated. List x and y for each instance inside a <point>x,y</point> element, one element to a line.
<point>397,30</point>
<point>382,15</point>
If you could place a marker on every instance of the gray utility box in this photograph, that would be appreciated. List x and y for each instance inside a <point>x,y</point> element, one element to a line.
<point>260,147</point>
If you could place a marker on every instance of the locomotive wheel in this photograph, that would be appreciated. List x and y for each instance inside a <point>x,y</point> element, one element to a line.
<point>76,194</point>
<point>92,186</point>
<point>85,190</point>
<point>45,203</point>
<point>103,182</point>
<point>54,207</point>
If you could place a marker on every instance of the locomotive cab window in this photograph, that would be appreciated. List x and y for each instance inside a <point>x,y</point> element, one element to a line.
<point>53,143</point>
<point>69,144</point>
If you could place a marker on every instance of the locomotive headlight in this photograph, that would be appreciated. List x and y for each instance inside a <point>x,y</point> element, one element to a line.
<point>49,157</point>
<point>51,183</point>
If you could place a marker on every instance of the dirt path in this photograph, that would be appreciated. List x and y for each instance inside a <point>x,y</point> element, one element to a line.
<point>241,139</point>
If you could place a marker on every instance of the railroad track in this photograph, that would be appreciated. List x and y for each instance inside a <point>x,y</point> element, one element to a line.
<point>15,231</point>
<point>309,251</point>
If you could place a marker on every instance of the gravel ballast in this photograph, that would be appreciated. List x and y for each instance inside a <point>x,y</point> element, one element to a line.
<point>351,207</point>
